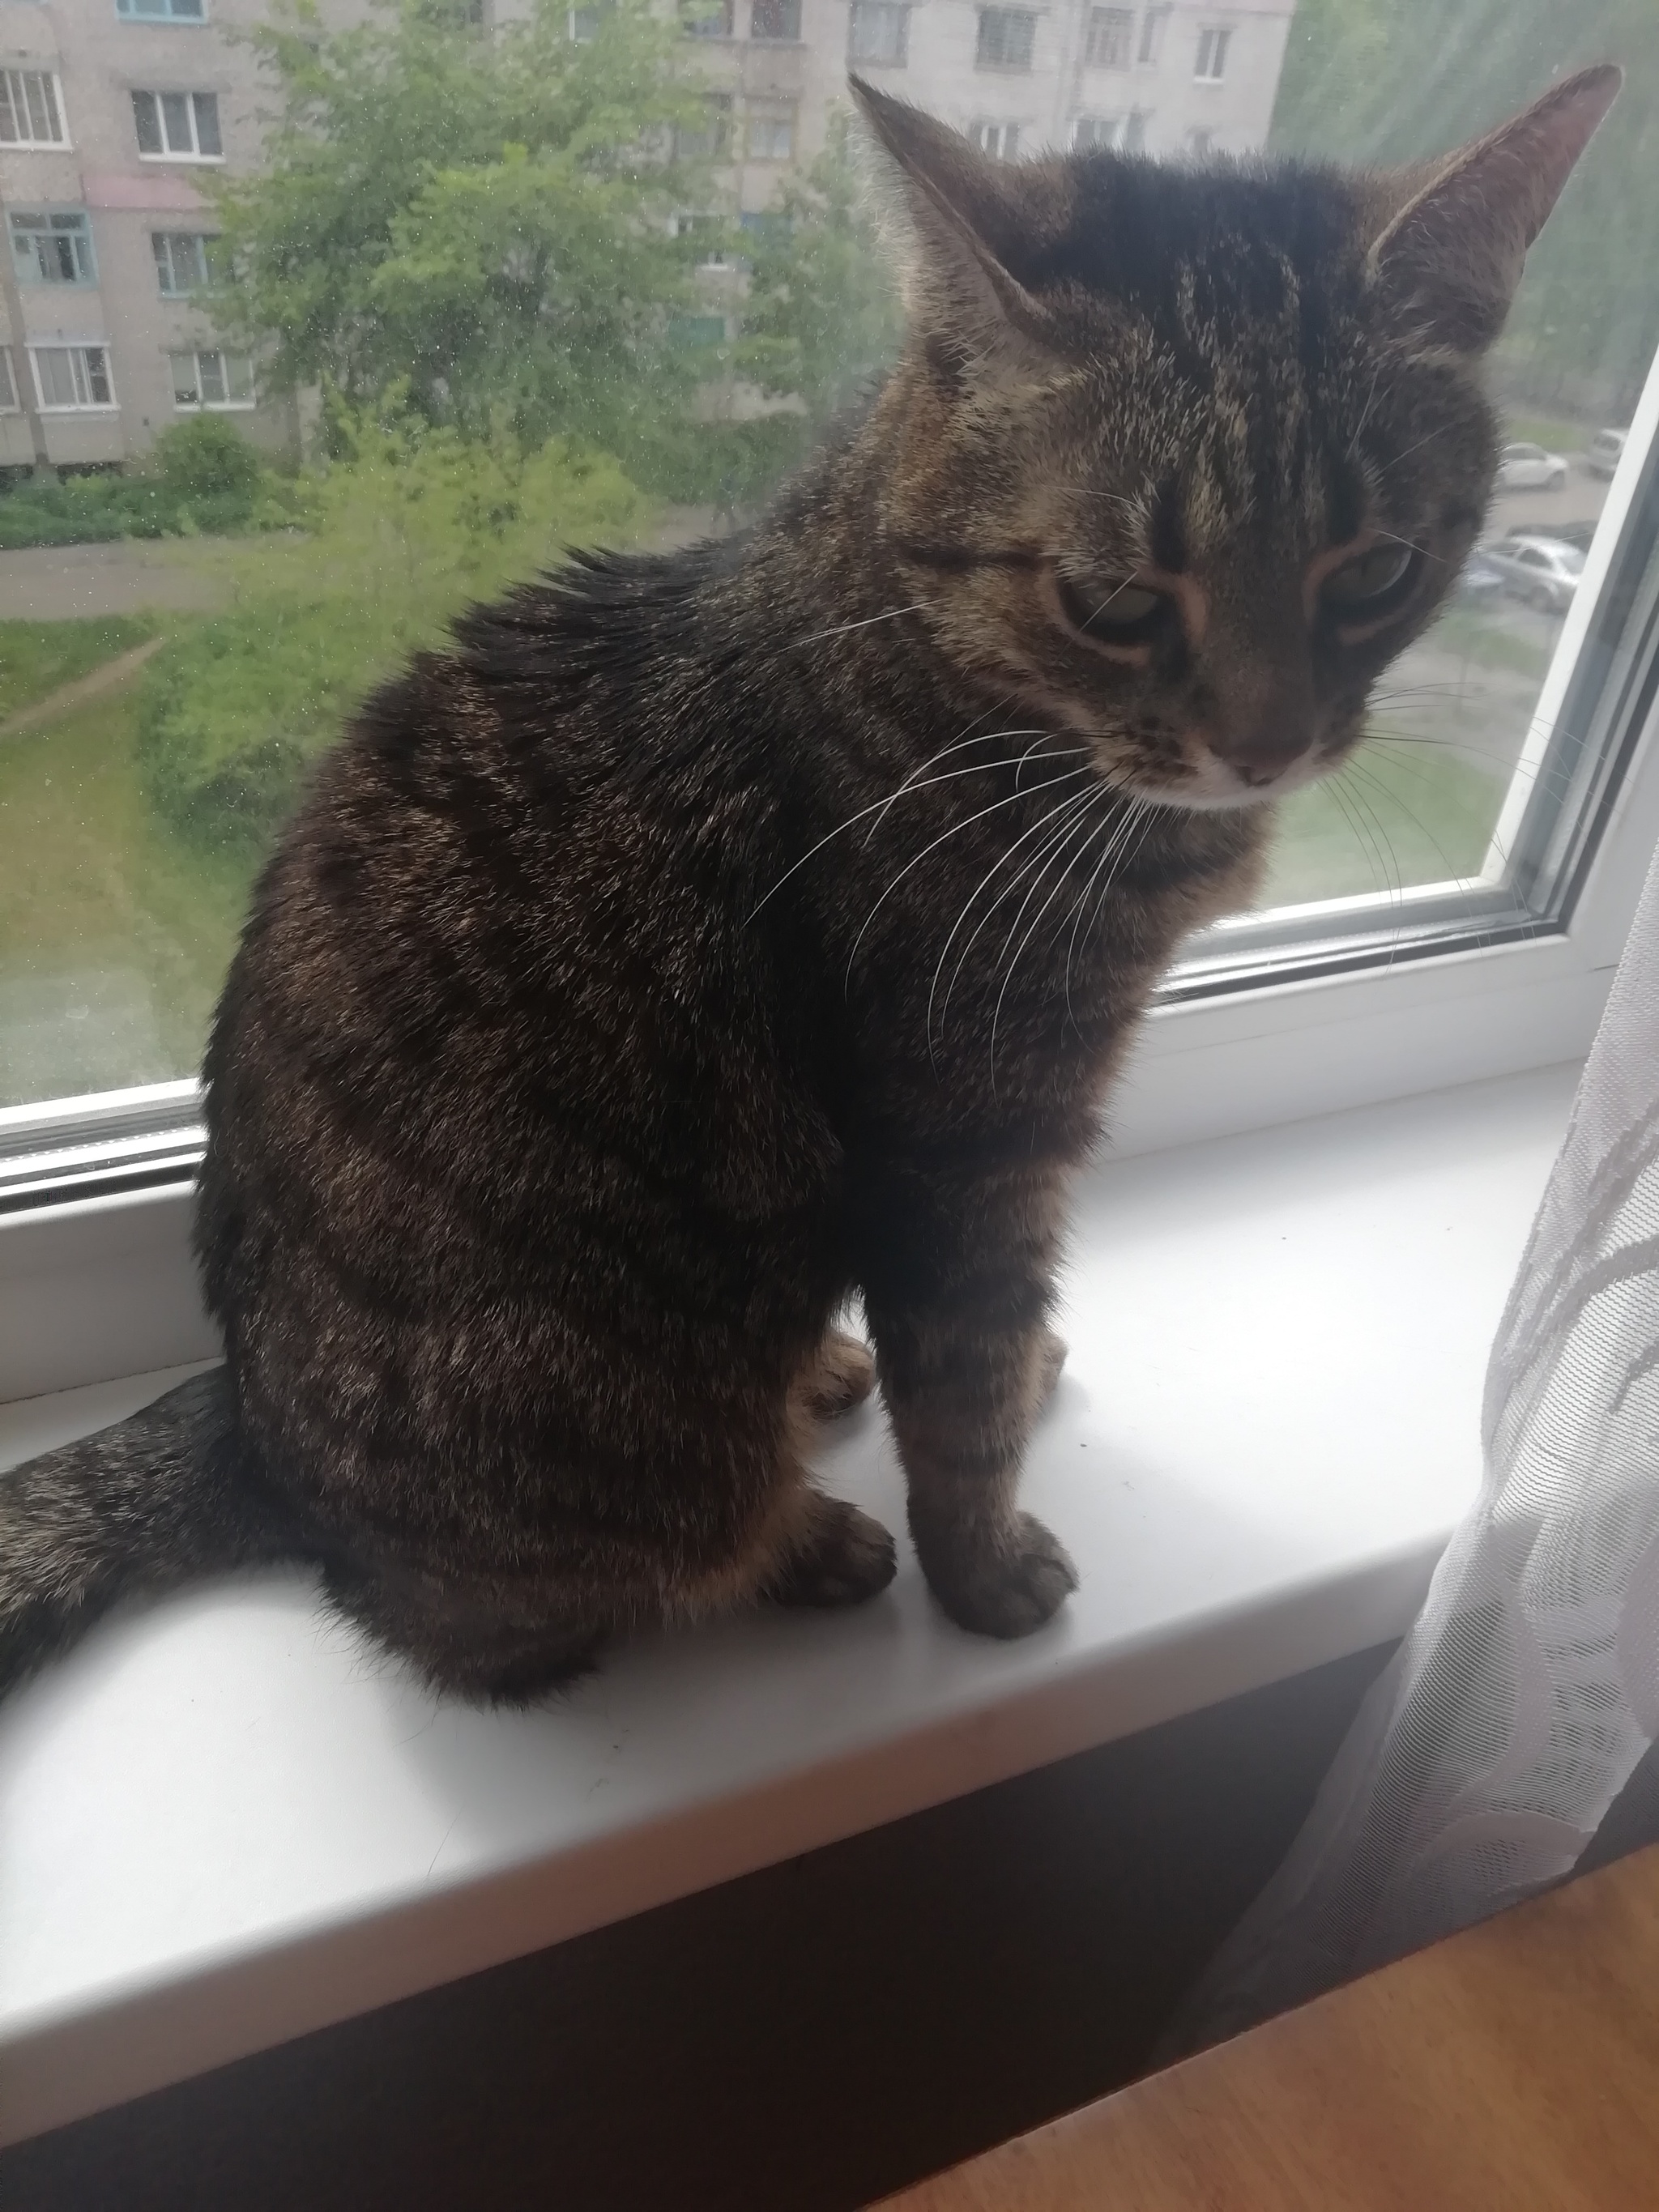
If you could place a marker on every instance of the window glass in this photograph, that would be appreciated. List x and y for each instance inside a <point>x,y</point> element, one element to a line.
<point>461,337</point>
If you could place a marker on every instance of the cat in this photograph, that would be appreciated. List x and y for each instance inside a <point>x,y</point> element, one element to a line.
<point>704,939</point>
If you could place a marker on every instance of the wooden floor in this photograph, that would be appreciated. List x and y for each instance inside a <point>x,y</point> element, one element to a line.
<point>1512,2069</point>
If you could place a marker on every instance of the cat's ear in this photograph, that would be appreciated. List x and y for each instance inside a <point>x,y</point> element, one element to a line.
<point>1450,256</point>
<point>961,219</point>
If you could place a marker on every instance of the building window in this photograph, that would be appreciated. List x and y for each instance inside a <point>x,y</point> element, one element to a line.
<point>1200,140</point>
<point>877,31</point>
<point>1111,32</point>
<point>697,330</point>
<point>1092,132</point>
<point>178,126</point>
<point>52,249</point>
<point>776,19</point>
<point>1006,36</point>
<point>9,402</point>
<point>71,380</point>
<point>999,140</point>
<point>709,19</point>
<point>32,109</point>
<point>767,226</point>
<point>1212,56</point>
<point>771,134</point>
<point>181,261</point>
<point>1134,140</point>
<point>582,25</point>
<point>1152,37</point>
<point>211,379</point>
<point>712,142</point>
<point>163,11</point>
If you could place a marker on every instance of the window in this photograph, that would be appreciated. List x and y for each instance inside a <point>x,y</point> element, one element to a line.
<point>32,109</point>
<point>692,331</point>
<point>1212,65</point>
<point>771,228</point>
<point>714,140</point>
<point>776,19</point>
<point>1200,140</point>
<point>878,32</point>
<point>1092,132</point>
<point>178,126</point>
<point>181,261</point>
<point>71,380</point>
<point>1006,36</point>
<point>163,11</point>
<point>8,400</point>
<point>999,140</point>
<point>771,134</point>
<point>1152,37</point>
<point>1107,43</point>
<point>1134,140</point>
<point>50,248</point>
<point>583,24</point>
<point>708,19</point>
<point>211,380</point>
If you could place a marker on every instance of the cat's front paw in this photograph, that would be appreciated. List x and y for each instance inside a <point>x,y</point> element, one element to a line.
<point>1006,1589</point>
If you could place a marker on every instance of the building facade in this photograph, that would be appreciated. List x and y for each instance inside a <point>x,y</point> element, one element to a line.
<point>113,113</point>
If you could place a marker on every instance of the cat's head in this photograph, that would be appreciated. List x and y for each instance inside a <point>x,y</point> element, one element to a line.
<point>1181,457</point>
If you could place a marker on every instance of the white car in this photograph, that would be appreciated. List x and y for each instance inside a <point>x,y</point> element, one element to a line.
<point>1601,455</point>
<point>1542,571</point>
<point>1529,468</point>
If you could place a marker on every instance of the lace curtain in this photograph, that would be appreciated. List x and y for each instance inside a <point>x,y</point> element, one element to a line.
<point>1488,1753</point>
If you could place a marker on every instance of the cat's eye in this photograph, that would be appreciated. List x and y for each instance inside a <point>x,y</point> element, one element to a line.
<point>1372,583</point>
<point>1112,610</point>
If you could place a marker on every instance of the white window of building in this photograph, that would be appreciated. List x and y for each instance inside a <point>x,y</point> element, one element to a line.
<point>52,248</point>
<point>1200,140</point>
<point>999,140</point>
<point>178,126</point>
<point>713,20</point>
<point>1090,132</point>
<point>181,261</point>
<point>71,380</point>
<point>771,134</point>
<point>1007,39</point>
<point>163,11</point>
<point>1212,56</point>
<point>9,402</point>
<point>776,19</point>
<point>32,109</point>
<point>1134,140</point>
<point>211,379</point>
<point>1152,27</point>
<point>879,31</point>
<point>1111,38</point>
<point>714,140</point>
<point>582,25</point>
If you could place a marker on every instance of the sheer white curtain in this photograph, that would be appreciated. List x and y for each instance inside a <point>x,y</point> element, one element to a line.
<point>1482,1763</point>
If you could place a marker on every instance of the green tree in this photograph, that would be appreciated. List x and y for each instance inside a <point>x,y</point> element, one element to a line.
<point>822,315</point>
<point>1389,80</point>
<point>482,215</point>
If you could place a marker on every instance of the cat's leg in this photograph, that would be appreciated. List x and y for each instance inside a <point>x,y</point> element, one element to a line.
<point>957,1288</point>
<point>840,1376</point>
<point>833,1553</point>
<point>462,1638</point>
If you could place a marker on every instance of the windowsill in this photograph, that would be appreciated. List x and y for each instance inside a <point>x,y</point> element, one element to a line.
<point>67,414</point>
<point>221,407</point>
<point>185,160</point>
<point>224,1826</point>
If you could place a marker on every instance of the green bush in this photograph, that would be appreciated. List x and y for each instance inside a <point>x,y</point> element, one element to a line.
<point>204,477</point>
<point>401,536</point>
<point>694,463</point>
<point>208,458</point>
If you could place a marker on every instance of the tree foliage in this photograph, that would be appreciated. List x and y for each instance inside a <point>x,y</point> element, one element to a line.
<point>1388,80</point>
<point>482,216</point>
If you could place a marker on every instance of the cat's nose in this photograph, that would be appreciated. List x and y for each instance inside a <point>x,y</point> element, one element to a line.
<point>1259,734</point>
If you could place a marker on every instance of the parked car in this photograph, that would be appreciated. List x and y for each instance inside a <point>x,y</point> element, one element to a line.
<point>1478,583</point>
<point>1559,533</point>
<point>1602,454</point>
<point>1542,571</point>
<point>1529,468</point>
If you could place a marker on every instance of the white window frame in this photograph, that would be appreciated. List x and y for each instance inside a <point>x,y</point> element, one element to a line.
<point>10,404</point>
<point>193,94</point>
<point>1154,24</point>
<point>1004,68</point>
<point>762,121</point>
<point>894,12</point>
<point>212,406</point>
<point>166,18</point>
<point>13,76</point>
<point>1112,137</point>
<point>168,265</point>
<point>81,375</point>
<point>1215,42</point>
<point>999,140</point>
<point>85,249</point>
<point>1123,25</point>
<point>95,1194</point>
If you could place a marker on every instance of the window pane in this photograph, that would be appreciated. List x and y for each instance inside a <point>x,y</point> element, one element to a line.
<point>55,376</point>
<point>207,122</point>
<point>186,385</point>
<point>177,135</point>
<point>1109,32</point>
<point>212,369</point>
<point>1007,37</point>
<point>146,122</point>
<point>776,19</point>
<point>9,401</point>
<point>877,32</point>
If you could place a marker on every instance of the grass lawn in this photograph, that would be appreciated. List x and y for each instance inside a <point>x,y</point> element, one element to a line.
<point>114,936</point>
<point>35,658</point>
<point>1399,813</point>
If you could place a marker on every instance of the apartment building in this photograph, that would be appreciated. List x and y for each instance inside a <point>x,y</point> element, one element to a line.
<point>114,112</point>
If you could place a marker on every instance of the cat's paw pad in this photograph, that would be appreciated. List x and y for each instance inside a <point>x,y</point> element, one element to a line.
<point>842,1375</point>
<point>847,1557</point>
<point>1011,1591</point>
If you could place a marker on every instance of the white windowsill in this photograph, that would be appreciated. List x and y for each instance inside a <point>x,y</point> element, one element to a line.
<point>221,1825</point>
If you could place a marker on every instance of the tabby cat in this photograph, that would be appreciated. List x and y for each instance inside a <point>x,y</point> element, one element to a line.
<point>706,938</point>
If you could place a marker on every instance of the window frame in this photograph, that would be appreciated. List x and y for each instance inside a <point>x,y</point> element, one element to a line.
<point>200,240</point>
<point>200,406</point>
<point>1000,65</point>
<point>32,144</point>
<point>54,221</point>
<point>1215,44</point>
<point>14,404</point>
<point>191,94</point>
<point>892,11</point>
<point>167,18</point>
<point>1116,24</point>
<point>73,347</point>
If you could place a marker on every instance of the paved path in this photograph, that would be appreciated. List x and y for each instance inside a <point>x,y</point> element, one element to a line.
<point>57,583</point>
<point>112,677</point>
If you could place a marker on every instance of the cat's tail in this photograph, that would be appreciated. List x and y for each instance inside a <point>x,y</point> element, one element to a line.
<point>153,1502</point>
